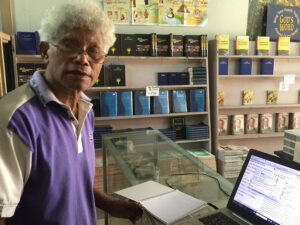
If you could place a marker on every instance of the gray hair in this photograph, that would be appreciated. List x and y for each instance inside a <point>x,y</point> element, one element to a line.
<point>85,13</point>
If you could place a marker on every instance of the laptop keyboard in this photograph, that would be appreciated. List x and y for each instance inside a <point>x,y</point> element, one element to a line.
<point>218,219</point>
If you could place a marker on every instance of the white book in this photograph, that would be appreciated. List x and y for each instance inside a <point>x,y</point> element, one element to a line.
<point>163,203</point>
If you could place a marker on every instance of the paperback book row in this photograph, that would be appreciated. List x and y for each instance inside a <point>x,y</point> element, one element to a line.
<point>26,70</point>
<point>257,123</point>
<point>128,103</point>
<point>262,45</point>
<point>194,76</point>
<point>159,45</point>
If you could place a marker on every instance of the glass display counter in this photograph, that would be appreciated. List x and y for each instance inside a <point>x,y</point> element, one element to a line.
<point>131,158</point>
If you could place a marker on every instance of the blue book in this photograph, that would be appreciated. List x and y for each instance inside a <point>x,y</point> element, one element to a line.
<point>223,66</point>
<point>108,103</point>
<point>162,78</point>
<point>173,78</point>
<point>197,100</point>
<point>125,107</point>
<point>28,43</point>
<point>161,103</point>
<point>141,103</point>
<point>267,66</point>
<point>245,66</point>
<point>184,78</point>
<point>179,101</point>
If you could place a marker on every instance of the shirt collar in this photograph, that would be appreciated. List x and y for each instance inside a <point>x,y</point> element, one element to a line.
<point>44,93</point>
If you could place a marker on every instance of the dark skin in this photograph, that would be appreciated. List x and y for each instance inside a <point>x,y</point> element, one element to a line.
<point>67,76</point>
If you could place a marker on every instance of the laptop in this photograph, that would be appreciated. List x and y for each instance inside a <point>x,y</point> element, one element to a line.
<point>267,192</point>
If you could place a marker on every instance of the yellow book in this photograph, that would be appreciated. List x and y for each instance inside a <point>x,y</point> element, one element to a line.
<point>272,96</point>
<point>223,44</point>
<point>283,46</point>
<point>262,45</point>
<point>247,97</point>
<point>221,97</point>
<point>242,45</point>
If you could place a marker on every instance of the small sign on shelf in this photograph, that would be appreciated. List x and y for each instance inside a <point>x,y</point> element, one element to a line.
<point>152,91</point>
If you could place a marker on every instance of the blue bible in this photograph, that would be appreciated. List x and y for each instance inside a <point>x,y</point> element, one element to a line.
<point>162,78</point>
<point>197,100</point>
<point>173,78</point>
<point>125,103</point>
<point>245,66</point>
<point>267,66</point>
<point>161,103</point>
<point>179,101</point>
<point>141,103</point>
<point>223,66</point>
<point>28,43</point>
<point>108,103</point>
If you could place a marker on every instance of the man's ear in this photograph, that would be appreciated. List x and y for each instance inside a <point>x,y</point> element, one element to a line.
<point>44,47</point>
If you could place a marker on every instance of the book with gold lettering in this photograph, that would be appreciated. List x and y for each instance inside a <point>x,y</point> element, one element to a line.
<point>262,45</point>
<point>242,45</point>
<point>283,46</point>
<point>247,97</point>
<point>272,96</point>
<point>223,44</point>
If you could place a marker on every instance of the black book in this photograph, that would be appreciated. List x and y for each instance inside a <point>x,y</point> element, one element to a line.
<point>100,80</point>
<point>143,44</point>
<point>9,66</point>
<point>128,44</point>
<point>192,45</point>
<point>117,74</point>
<point>176,45</point>
<point>116,48</point>
<point>163,45</point>
<point>178,124</point>
<point>25,72</point>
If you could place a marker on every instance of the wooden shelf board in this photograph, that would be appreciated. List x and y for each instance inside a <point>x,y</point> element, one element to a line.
<point>251,76</point>
<point>149,116</point>
<point>4,36</point>
<point>249,136</point>
<point>29,59</point>
<point>160,58</point>
<point>259,106</point>
<point>259,57</point>
<point>191,141</point>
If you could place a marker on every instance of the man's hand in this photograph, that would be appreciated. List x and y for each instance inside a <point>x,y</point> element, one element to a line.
<point>127,209</point>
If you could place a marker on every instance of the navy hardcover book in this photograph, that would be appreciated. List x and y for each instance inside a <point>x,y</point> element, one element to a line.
<point>108,103</point>
<point>267,66</point>
<point>27,43</point>
<point>245,66</point>
<point>141,103</point>
<point>125,107</point>
<point>161,103</point>
<point>179,101</point>
<point>197,100</point>
<point>173,78</point>
<point>223,66</point>
<point>183,78</point>
<point>162,78</point>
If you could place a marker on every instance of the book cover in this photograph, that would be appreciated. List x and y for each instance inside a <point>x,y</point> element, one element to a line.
<point>245,66</point>
<point>191,45</point>
<point>173,78</point>
<point>183,78</point>
<point>223,66</point>
<point>25,72</point>
<point>161,103</point>
<point>247,97</point>
<point>115,50</point>
<point>296,120</point>
<point>242,45</point>
<point>299,97</point>
<point>108,103</point>
<point>221,98</point>
<point>162,78</point>
<point>128,44</point>
<point>125,106</point>
<point>238,125</point>
<point>177,45</point>
<point>203,45</point>
<point>143,44</point>
<point>100,81</point>
<point>262,45</point>
<point>163,45</point>
<point>223,125</point>
<point>283,46</point>
<point>141,103</point>
<point>28,43</point>
<point>179,101</point>
<point>40,66</point>
<point>282,121</point>
<point>223,44</point>
<point>267,66</point>
<point>272,97</point>
<point>178,124</point>
<point>266,123</point>
<point>197,100</point>
<point>96,106</point>
<point>251,123</point>
<point>117,74</point>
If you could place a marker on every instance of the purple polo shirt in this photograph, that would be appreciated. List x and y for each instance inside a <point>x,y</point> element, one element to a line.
<point>59,187</point>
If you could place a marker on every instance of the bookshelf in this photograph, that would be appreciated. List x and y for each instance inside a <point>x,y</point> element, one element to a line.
<point>233,84</point>
<point>4,38</point>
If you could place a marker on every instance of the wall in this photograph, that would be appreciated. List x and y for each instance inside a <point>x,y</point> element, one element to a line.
<point>224,16</point>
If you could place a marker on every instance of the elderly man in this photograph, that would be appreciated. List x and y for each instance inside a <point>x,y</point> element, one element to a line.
<point>47,161</point>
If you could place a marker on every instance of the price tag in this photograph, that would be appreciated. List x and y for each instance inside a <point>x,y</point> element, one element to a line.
<point>289,78</point>
<point>283,86</point>
<point>152,91</point>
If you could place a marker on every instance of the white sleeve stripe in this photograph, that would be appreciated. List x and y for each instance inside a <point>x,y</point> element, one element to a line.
<point>7,210</point>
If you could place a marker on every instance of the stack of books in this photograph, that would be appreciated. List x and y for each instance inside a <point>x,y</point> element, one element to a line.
<point>99,130</point>
<point>291,142</point>
<point>206,157</point>
<point>231,159</point>
<point>197,75</point>
<point>196,132</point>
<point>169,132</point>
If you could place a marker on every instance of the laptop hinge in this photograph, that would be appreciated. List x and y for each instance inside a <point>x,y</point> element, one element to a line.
<point>241,218</point>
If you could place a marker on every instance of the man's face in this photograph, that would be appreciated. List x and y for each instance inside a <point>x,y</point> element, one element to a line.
<point>221,123</point>
<point>297,121</point>
<point>251,122</point>
<point>238,124</point>
<point>265,122</point>
<point>282,121</point>
<point>74,72</point>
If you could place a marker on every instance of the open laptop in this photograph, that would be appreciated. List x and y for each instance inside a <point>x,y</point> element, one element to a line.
<point>267,192</point>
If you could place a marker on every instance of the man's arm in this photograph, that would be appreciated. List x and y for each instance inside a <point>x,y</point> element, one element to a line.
<point>2,221</point>
<point>118,208</point>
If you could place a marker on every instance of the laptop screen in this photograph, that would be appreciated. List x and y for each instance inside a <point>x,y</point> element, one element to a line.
<point>269,190</point>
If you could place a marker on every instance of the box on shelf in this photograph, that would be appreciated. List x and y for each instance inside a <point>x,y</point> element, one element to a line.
<point>291,144</point>
<point>283,46</point>
<point>28,43</point>
<point>242,45</point>
<point>223,125</point>
<point>223,44</point>
<point>251,123</point>
<point>125,103</point>
<point>206,157</point>
<point>267,66</point>
<point>262,45</point>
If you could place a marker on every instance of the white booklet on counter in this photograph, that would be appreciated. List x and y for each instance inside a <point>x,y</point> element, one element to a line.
<point>163,203</point>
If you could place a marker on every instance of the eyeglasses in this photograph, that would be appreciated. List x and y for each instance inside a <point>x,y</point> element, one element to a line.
<point>94,54</point>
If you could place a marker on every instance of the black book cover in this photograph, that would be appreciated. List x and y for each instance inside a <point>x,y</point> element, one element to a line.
<point>117,74</point>
<point>163,45</point>
<point>25,72</point>
<point>116,48</point>
<point>40,66</point>
<point>177,45</point>
<point>178,124</point>
<point>100,80</point>
<point>9,66</point>
<point>192,45</point>
<point>96,106</point>
<point>143,44</point>
<point>128,44</point>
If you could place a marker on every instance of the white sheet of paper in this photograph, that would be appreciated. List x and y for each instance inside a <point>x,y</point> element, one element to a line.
<point>152,91</point>
<point>289,78</point>
<point>283,86</point>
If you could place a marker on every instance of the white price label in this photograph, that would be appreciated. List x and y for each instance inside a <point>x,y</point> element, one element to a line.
<point>289,78</point>
<point>152,91</point>
<point>283,86</point>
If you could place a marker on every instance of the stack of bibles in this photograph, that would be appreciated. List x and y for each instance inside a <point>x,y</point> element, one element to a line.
<point>169,132</point>
<point>196,132</point>
<point>98,131</point>
<point>291,140</point>
<point>231,159</point>
<point>197,75</point>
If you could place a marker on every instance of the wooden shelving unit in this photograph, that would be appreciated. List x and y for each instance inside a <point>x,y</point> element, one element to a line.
<point>4,38</point>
